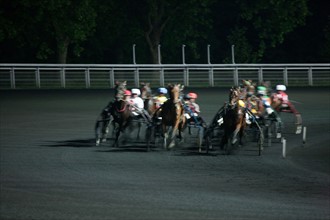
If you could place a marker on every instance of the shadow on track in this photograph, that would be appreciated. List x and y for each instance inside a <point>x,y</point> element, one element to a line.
<point>79,143</point>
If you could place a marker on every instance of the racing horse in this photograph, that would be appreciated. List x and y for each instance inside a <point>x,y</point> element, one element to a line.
<point>172,114</point>
<point>233,121</point>
<point>105,118</point>
<point>120,111</point>
<point>102,125</point>
<point>146,95</point>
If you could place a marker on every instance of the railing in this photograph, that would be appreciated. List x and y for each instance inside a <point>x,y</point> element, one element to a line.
<point>14,76</point>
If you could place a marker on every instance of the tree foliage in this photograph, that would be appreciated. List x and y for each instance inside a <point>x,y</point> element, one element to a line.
<point>41,23</point>
<point>79,31</point>
<point>263,24</point>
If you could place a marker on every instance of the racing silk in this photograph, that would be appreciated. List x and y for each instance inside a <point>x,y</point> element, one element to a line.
<point>266,102</point>
<point>194,107</point>
<point>255,106</point>
<point>252,105</point>
<point>139,105</point>
<point>159,100</point>
<point>283,97</point>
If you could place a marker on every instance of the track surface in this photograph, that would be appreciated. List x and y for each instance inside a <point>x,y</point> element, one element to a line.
<point>50,168</point>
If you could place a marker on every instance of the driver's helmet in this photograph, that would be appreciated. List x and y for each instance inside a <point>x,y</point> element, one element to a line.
<point>192,95</point>
<point>262,90</point>
<point>162,90</point>
<point>246,83</point>
<point>136,91</point>
<point>280,87</point>
<point>251,90</point>
<point>186,97</point>
<point>127,93</point>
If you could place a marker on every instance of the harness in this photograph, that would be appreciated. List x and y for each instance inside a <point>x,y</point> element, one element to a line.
<point>123,109</point>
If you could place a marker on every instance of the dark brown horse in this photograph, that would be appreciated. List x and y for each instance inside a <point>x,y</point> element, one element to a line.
<point>233,121</point>
<point>172,114</point>
<point>120,110</point>
<point>105,119</point>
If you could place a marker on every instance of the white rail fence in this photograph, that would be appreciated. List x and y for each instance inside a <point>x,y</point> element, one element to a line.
<point>47,76</point>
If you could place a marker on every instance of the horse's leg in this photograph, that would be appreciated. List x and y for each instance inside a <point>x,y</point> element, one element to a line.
<point>174,132</point>
<point>165,135</point>
<point>105,129</point>
<point>182,127</point>
<point>234,137</point>
<point>99,128</point>
<point>119,128</point>
<point>241,134</point>
<point>172,139</point>
<point>97,133</point>
<point>223,141</point>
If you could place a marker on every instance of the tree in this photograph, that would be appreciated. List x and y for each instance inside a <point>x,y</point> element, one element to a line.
<point>71,21</point>
<point>175,20</point>
<point>263,24</point>
<point>43,23</point>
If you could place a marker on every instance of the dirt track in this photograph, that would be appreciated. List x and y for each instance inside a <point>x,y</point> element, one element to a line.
<point>50,168</point>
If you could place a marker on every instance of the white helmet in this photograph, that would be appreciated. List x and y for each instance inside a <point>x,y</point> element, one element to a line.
<point>136,91</point>
<point>281,87</point>
<point>262,92</point>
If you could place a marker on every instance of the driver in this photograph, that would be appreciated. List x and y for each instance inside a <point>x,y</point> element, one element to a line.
<point>138,105</point>
<point>193,108</point>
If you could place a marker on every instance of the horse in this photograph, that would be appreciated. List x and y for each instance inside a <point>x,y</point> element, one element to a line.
<point>172,114</point>
<point>120,110</point>
<point>105,118</point>
<point>102,125</point>
<point>233,120</point>
<point>146,95</point>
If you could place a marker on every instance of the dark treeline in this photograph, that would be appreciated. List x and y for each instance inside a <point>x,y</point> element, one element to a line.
<point>92,31</point>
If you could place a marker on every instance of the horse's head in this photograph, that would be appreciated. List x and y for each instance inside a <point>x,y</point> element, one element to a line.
<point>234,95</point>
<point>120,88</point>
<point>146,92</point>
<point>175,90</point>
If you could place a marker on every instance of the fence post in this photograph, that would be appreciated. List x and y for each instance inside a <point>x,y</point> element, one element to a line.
<point>112,77</point>
<point>284,148</point>
<point>12,78</point>
<point>211,77</point>
<point>134,61</point>
<point>136,77</point>
<point>186,76</point>
<point>285,76</point>
<point>183,54</point>
<point>159,55</point>
<point>233,53</point>
<point>87,78</point>
<point>161,77</point>
<point>304,135</point>
<point>62,72</point>
<point>260,75</point>
<point>38,77</point>
<point>310,76</point>
<point>236,76</point>
<point>208,54</point>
